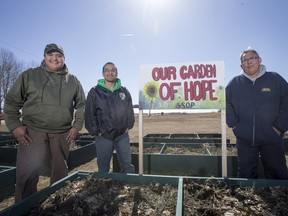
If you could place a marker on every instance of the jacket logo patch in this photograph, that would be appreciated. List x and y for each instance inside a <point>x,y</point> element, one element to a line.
<point>122,96</point>
<point>266,90</point>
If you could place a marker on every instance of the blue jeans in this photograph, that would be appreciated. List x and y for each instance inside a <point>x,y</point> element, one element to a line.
<point>104,149</point>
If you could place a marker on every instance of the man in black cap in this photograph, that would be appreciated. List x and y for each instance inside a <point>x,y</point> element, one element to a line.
<point>47,96</point>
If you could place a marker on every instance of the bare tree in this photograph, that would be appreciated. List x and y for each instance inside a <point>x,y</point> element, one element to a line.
<point>10,68</point>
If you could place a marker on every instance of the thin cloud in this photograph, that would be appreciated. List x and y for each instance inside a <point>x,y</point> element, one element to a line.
<point>126,35</point>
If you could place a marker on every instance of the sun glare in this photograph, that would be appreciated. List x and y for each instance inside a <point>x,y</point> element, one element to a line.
<point>157,4</point>
<point>155,11</point>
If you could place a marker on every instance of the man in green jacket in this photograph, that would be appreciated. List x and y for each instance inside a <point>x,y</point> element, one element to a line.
<point>47,97</point>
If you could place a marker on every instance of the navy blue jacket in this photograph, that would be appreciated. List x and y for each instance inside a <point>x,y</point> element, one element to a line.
<point>254,107</point>
<point>108,112</point>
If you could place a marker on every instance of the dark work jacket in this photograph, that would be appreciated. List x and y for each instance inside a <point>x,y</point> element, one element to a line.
<point>254,107</point>
<point>109,113</point>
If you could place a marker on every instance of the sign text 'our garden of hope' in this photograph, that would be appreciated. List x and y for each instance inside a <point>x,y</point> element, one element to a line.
<point>183,86</point>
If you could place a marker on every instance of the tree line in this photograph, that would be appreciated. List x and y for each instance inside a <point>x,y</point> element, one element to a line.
<point>10,68</point>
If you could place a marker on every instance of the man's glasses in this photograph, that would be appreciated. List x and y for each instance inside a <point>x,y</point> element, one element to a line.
<point>113,70</point>
<point>252,59</point>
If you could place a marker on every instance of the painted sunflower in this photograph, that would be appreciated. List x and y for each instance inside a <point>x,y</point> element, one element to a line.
<point>151,90</point>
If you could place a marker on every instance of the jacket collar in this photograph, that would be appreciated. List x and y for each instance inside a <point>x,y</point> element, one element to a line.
<point>261,73</point>
<point>64,70</point>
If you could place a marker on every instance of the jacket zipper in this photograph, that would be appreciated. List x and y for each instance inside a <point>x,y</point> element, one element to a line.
<point>253,133</point>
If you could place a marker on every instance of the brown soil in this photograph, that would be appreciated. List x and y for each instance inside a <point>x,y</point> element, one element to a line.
<point>198,149</point>
<point>94,196</point>
<point>148,150</point>
<point>154,124</point>
<point>216,198</point>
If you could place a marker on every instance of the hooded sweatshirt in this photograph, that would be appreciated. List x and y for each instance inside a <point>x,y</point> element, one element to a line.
<point>109,112</point>
<point>255,105</point>
<point>47,99</point>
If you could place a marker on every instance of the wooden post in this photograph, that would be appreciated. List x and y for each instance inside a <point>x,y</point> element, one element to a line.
<point>224,143</point>
<point>140,141</point>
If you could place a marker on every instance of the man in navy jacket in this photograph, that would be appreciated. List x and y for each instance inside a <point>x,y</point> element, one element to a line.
<point>257,111</point>
<point>109,115</point>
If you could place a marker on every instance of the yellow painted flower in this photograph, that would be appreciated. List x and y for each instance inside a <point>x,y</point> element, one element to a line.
<point>151,90</point>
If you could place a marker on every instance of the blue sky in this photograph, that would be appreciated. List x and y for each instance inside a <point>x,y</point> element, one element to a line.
<point>131,33</point>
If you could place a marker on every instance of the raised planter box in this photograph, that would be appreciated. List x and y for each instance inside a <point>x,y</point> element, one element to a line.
<point>148,148</point>
<point>197,163</point>
<point>25,205</point>
<point>184,138</point>
<point>81,154</point>
<point>8,155</point>
<point>84,138</point>
<point>181,183</point>
<point>7,181</point>
<point>185,160</point>
<point>232,196</point>
<point>7,138</point>
<point>216,149</point>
